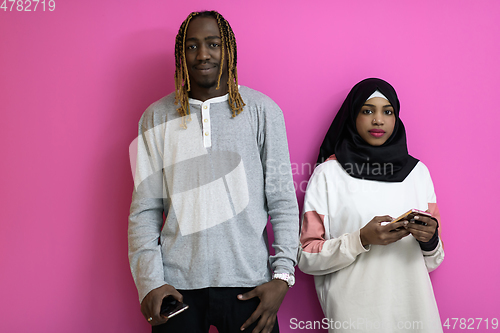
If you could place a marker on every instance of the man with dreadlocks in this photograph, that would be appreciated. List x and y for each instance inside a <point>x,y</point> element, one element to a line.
<point>212,166</point>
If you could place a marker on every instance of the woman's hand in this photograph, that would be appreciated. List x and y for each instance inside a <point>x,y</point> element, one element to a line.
<point>422,232</point>
<point>377,234</point>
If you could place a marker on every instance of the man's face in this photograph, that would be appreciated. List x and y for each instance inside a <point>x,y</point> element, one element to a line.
<point>203,52</point>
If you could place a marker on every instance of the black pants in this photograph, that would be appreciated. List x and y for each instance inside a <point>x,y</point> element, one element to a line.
<point>213,306</point>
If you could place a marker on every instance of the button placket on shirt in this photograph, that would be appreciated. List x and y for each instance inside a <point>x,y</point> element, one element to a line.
<point>205,121</point>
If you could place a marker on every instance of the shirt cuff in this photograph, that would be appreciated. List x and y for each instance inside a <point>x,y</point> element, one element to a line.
<point>284,269</point>
<point>357,246</point>
<point>432,252</point>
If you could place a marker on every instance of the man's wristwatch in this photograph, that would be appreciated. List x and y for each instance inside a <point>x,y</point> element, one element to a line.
<point>288,278</point>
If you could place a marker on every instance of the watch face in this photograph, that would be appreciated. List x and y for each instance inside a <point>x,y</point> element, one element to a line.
<point>291,280</point>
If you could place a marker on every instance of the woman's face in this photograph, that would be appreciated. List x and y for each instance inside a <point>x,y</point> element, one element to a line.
<point>375,121</point>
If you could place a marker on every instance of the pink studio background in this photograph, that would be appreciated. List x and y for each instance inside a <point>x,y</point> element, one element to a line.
<point>75,81</point>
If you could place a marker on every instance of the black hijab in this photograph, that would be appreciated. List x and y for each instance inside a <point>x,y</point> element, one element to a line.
<point>389,162</point>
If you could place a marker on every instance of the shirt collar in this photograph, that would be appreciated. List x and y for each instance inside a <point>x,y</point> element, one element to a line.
<point>218,99</point>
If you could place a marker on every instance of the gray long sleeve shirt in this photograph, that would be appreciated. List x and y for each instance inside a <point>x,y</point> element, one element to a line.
<point>216,182</point>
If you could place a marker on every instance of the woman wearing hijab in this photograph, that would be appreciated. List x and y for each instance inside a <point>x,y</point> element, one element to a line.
<point>371,275</point>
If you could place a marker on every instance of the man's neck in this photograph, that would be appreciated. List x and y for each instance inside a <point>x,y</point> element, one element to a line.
<point>202,94</point>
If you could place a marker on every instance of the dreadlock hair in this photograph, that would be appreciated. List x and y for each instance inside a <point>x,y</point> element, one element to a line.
<point>182,84</point>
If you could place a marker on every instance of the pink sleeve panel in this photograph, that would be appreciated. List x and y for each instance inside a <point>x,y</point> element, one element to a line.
<point>331,158</point>
<point>434,210</point>
<point>312,236</point>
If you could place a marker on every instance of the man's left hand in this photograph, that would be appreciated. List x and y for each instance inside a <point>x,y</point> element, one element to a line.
<point>271,294</point>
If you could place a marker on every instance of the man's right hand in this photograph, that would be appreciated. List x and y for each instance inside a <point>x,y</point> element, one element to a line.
<point>151,304</point>
<point>377,234</point>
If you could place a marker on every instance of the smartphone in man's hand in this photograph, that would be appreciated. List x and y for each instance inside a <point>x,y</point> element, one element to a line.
<point>170,307</point>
